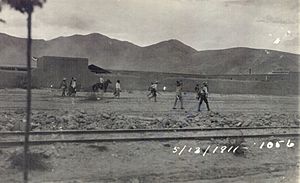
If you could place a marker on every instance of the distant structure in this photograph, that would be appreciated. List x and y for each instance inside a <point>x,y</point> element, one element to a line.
<point>13,68</point>
<point>97,70</point>
<point>51,69</point>
<point>280,72</point>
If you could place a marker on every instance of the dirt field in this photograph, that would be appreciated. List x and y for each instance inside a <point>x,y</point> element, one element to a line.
<point>151,161</point>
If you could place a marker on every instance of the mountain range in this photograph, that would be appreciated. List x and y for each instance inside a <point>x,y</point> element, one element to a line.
<point>167,56</point>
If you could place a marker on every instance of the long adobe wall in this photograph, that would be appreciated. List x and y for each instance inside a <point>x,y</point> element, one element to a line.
<point>51,71</point>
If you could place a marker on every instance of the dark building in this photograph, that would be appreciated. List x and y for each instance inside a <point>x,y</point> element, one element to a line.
<point>97,70</point>
<point>51,71</point>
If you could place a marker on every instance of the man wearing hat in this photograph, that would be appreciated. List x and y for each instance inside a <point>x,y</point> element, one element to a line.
<point>203,95</point>
<point>153,90</point>
<point>178,96</point>
<point>64,86</point>
<point>117,89</point>
<point>72,87</point>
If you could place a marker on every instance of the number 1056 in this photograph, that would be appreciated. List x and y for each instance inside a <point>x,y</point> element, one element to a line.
<point>277,144</point>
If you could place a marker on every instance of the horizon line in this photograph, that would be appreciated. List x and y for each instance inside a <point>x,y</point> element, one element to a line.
<point>213,49</point>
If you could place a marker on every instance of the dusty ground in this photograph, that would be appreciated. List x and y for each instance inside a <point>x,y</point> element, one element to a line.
<point>151,161</point>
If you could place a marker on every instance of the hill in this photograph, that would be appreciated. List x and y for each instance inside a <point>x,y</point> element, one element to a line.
<point>167,56</point>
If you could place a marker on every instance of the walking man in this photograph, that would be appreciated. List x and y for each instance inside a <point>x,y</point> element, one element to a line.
<point>72,87</point>
<point>150,89</point>
<point>64,87</point>
<point>153,90</point>
<point>197,89</point>
<point>118,89</point>
<point>203,95</point>
<point>101,87</point>
<point>178,95</point>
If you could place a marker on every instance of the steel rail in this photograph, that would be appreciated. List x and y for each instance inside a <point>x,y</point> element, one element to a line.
<point>130,139</point>
<point>142,130</point>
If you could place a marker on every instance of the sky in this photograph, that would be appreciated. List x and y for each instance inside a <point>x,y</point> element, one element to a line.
<point>202,24</point>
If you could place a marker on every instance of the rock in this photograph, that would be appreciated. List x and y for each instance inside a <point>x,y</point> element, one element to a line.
<point>19,126</point>
<point>239,124</point>
<point>165,120</point>
<point>167,145</point>
<point>113,117</point>
<point>34,125</point>
<point>182,119</point>
<point>145,118</point>
<point>247,122</point>
<point>117,122</point>
<point>239,119</point>
<point>43,122</point>
<point>132,127</point>
<point>259,124</point>
<point>91,127</point>
<point>9,126</point>
<point>80,116</point>
<point>65,118</point>
<point>19,111</point>
<point>48,121</point>
<point>159,119</point>
<point>73,126</point>
<point>81,120</point>
<point>268,117</point>
<point>166,123</point>
<point>120,117</point>
<point>214,120</point>
<point>184,124</point>
<point>190,116</point>
<point>297,121</point>
<point>83,111</point>
<point>105,116</point>
<point>51,116</point>
<point>272,169</point>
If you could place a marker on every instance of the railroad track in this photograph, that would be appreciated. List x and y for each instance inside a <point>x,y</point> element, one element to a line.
<point>123,135</point>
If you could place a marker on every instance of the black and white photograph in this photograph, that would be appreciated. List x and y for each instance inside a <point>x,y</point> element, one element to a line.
<point>149,91</point>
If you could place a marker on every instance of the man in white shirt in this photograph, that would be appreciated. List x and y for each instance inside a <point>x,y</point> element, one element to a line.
<point>101,87</point>
<point>118,89</point>
<point>101,81</point>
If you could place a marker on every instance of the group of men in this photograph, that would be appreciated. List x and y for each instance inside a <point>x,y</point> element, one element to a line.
<point>201,91</point>
<point>68,90</point>
<point>104,86</point>
<point>71,89</point>
<point>201,94</point>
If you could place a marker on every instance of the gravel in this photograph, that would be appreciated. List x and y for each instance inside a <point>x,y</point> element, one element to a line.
<point>84,120</point>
